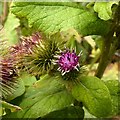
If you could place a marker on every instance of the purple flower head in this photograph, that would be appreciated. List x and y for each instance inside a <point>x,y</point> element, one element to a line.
<point>26,45</point>
<point>68,61</point>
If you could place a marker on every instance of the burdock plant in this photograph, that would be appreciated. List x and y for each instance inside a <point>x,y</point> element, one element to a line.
<point>51,55</point>
<point>39,55</point>
<point>42,57</point>
<point>63,83</point>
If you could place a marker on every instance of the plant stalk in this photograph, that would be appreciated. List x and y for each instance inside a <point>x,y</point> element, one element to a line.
<point>110,44</point>
<point>104,57</point>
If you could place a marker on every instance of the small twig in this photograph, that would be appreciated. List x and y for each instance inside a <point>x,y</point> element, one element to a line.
<point>5,12</point>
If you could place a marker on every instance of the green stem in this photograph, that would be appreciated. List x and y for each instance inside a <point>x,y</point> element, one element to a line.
<point>109,49</point>
<point>109,45</point>
<point>104,57</point>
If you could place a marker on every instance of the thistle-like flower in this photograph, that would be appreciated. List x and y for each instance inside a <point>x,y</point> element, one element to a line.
<point>68,61</point>
<point>8,64</point>
<point>26,45</point>
<point>40,59</point>
<point>24,48</point>
<point>7,77</point>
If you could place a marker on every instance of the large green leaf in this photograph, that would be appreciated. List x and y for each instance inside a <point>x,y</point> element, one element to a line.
<point>104,9</point>
<point>45,96</point>
<point>94,94</point>
<point>68,112</point>
<point>113,86</point>
<point>52,17</point>
<point>10,28</point>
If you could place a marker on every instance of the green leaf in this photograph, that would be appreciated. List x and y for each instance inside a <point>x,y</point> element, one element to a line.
<point>53,17</point>
<point>25,80</point>
<point>20,89</point>
<point>13,108</point>
<point>94,95</point>
<point>10,28</point>
<point>68,112</point>
<point>113,86</point>
<point>28,79</point>
<point>104,9</point>
<point>45,96</point>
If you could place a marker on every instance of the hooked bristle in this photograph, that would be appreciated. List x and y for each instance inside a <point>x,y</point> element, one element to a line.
<point>7,77</point>
<point>26,45</point>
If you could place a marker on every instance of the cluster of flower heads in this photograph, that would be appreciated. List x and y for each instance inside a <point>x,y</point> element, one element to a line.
<point>39,56</point>
<point>8,71</point>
